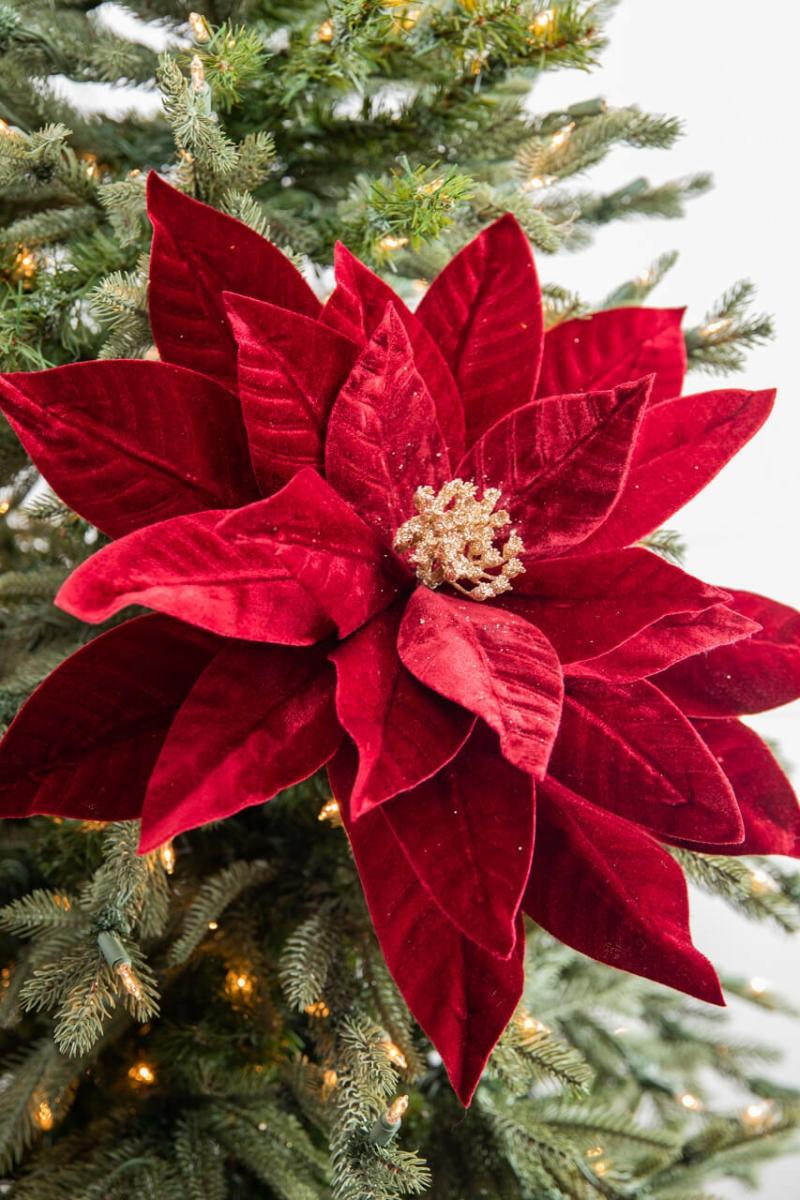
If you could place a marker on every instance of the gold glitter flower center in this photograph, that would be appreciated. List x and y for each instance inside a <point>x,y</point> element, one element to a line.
<point>452,540</point>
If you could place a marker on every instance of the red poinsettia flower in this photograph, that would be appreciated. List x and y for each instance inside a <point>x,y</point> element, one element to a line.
<point>405,545</point>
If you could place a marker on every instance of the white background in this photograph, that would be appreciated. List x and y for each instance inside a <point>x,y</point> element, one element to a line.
<point>729,69</point>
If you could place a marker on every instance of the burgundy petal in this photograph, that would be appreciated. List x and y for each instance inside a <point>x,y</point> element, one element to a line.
<point>491,662</point>
<point>626,748</point>
<point>357,307</point>
<point>196,255</point>
<point>612,347</point>
<point>127,443</point>
<point>290,370</point>
<point>384,440</point>
<point>668,641</point>
<point>85,743</point>
<point>485,313</point>
<point>587,606</point>
<point>560,463</point>
<point>404,732</point>
<point>258,720</point>
<point>748,677</point>
<point>462,996</point>
<point>766,799</point>
<point>263,572</point>
<point>468,835</point>
<point>682,445</point>
<point>606,888</point>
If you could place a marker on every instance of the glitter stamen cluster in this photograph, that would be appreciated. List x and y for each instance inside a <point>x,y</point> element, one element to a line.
<point>452,540</point>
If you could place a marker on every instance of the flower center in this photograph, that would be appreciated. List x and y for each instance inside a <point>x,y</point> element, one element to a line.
<point>452,540</point>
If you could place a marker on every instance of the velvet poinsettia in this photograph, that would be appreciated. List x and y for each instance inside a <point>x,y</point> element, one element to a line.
<point>407,546</point>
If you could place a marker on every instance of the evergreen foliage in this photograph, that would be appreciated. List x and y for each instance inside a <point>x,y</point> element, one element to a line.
<point>264,1039</point>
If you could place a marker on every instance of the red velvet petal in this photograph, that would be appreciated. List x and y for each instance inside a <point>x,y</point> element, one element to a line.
<point>404,732</point>
<point>127,443</point>
<point>682,445</point>
<point>561,463</point>
<point>627,749</point>
<point>384,440</point>
<point>356,308</point>
<point>605,888</point>
<point>668,641</point>
<point>750,676</point>
<point>766,799</point>
<point>587,606</point>
<point>612,347</point>
<point>197,254</point>
<point>485,313</point>
<point>491,662</point>
<point>468,835</point>
<point>258,720</point>
<point>462,996</point>
<point>290,370</point>
<point>280,570</point>
<point>86,741</point>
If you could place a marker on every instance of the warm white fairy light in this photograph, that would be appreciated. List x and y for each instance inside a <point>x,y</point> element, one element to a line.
<point>690,1102</point>
<point>330,812</point>
<point>757,986</point>
<point>142,1072</point>
<point>392,242</point>
<point>761,883</point>
<point>562,136</point>
<point>714,327</point>
<point>530,1024</point>
<point>166,855</point>
<point>198,73</point>
<point>199,26</point>
<point>543,22</point>
<point>758,1116</point>
<point>394,1054</point>
<point>129,980</point>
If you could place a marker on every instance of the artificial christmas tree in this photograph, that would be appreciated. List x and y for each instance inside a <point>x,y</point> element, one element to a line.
<point>454,591</point>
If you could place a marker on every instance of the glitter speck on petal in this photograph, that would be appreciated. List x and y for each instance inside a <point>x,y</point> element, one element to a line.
<point>452,540</point>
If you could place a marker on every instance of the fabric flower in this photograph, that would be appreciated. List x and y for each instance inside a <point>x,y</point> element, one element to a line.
<point>406,546</point>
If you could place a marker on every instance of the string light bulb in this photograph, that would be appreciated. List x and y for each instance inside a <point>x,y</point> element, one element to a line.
<point>757,986</point>
<point>690,1102</point>
<point>326,31</point>
<point>388,1123</point>
<point>761,883</point>
<point>42,1112</point>
<point>562,136</point>
<point>24,266</point>
<point>715,327</point>
<point>142,1072</point>
<point>119,960</point>
<point>392,242</point>
<point>213,926</point>
<point>530,1024</point>
<point>200,27</point>
<point>318,1009</point>
<point>166,856</point>
<point>239,985</point>
<point>430,189</point>
<point>542,23</point>
<point>198,73</point>
<point>595,1152</point>
<point>330,812</point>
<point>758,1116</point>
<point>329,1082</point>
<point>394,1054</point>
